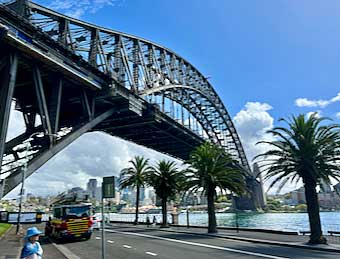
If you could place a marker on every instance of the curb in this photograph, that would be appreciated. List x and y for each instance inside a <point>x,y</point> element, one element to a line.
<point>260,241</point>
<point>65,251</point>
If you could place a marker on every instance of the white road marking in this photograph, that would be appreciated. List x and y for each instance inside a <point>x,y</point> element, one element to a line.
<point>200,244</point>
<point>98,238</point>
<point>110,241</point>
<point>126,246</point>
<point>150,253</point>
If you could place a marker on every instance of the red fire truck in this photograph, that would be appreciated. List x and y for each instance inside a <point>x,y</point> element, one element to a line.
<point>71,221</point>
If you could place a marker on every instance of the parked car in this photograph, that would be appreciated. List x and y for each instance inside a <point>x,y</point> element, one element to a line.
<point>96,223</point>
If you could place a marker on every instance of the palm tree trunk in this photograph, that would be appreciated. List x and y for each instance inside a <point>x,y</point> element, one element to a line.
<point>164,213</point>
<point>212,228</point>
<point>137,205</point>
<point>313,213</point>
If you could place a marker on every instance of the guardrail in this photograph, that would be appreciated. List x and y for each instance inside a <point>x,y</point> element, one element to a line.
<point>332,233</point>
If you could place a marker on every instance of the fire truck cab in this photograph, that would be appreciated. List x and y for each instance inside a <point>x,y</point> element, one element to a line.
<point>72,221</point>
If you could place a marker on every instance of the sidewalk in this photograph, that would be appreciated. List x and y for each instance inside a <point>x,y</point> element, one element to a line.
<point>11,244</point>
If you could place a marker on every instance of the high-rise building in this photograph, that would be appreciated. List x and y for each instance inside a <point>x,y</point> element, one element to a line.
<point>92,188</point>
<point>141,194</point>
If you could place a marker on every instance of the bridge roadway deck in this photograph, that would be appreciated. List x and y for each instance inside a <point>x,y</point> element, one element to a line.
<point>153,129</point>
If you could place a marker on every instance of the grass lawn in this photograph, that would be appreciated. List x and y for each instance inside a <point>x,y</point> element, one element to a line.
<point>3,228</point>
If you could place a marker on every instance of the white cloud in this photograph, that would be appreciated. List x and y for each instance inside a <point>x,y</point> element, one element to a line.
<point>304,102</point>
<point>251,123</point>
<point>337,115</point>
<point>317,113</point>
<point>77,8</point>
<point>16,123</point>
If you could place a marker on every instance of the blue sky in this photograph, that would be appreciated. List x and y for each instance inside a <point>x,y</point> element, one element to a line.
<point>266,59</point>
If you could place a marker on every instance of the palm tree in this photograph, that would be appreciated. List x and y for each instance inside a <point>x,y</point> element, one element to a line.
<point>307,151</point>
<point>166,179</point>
<point>135,176</point>
<point>212,168</point>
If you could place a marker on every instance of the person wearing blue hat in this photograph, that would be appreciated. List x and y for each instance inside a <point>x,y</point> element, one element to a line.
<point>32,248</point>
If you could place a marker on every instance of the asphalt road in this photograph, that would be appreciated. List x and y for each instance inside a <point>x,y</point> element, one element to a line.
<point>134,243</point>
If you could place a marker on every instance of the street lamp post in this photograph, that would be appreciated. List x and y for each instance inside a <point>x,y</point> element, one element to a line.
<point>27,148</point>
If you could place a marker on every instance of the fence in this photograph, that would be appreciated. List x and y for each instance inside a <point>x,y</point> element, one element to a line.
<point>26,217</point>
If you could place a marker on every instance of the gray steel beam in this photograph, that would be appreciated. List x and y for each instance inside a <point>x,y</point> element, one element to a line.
<point>92,58</point>
<point>15,178</point>
<point>86,104</point>
<point>41,98</point>
<point>7,84</point>
<point>59,88</point>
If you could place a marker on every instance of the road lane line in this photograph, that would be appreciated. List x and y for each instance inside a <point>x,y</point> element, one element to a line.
<point>110,241</point>
<point>150,253</point>
<point>200,244</point>
<point>126,246</point>
<point>98,238</point>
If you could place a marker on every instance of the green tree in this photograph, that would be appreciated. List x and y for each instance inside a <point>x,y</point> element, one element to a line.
<point>135,176</point>
<point>166,179</point>
<point>211,168</point>
<point>308,151</point>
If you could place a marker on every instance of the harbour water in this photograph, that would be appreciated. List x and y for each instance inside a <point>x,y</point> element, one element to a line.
<point>274,221</point>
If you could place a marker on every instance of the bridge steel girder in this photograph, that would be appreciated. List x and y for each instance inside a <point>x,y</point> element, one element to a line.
<point>8,75</point>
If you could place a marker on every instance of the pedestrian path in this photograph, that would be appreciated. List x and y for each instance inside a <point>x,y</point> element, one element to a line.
<point>10,244</point>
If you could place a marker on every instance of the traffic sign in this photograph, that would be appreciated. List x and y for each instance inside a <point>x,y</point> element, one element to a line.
<point>108,187</point>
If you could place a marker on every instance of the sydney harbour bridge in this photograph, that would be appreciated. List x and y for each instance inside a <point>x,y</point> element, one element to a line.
<point>68,77</point>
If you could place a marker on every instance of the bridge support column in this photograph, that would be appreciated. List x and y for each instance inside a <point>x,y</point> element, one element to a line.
<point>254,200</point>
<point>7,83</point>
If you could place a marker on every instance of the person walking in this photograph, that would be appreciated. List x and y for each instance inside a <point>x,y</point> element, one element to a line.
<point>32,248</point>
<point>148,221</point>
<point>154,221</point>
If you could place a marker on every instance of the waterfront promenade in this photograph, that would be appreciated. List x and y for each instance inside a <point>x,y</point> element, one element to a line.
<point>127,241</point>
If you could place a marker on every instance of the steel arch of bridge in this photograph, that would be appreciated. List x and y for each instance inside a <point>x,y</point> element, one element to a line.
<point>145,69</point>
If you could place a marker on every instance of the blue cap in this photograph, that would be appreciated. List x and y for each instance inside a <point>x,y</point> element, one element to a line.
<point>33,231</point>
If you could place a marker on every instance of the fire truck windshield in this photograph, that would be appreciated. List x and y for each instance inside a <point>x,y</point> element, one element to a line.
<point>77,212</point>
